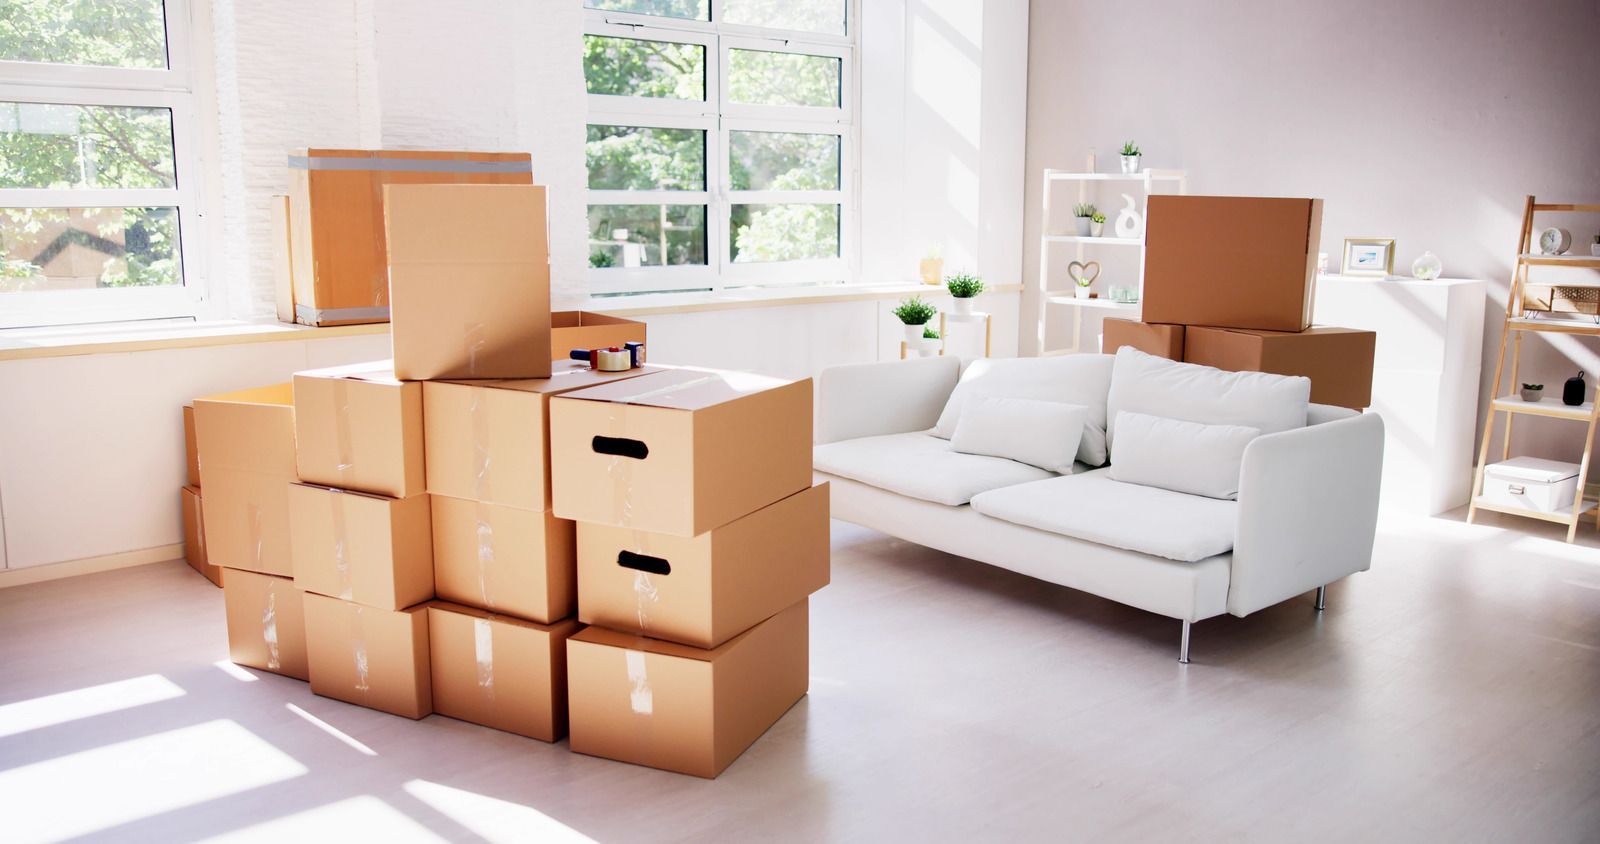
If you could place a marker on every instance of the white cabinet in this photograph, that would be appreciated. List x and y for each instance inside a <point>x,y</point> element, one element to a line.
<point>1425,380</point>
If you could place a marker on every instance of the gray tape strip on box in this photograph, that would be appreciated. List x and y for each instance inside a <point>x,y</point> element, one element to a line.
<point>308,314</point>
<point>407,165</point>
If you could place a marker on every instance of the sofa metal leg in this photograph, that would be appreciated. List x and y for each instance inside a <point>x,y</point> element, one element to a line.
<point>1322,598</point>
<point>1183,645</point>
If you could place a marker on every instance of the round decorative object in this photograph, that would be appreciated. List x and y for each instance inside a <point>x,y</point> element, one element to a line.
<point>1555,241</point>
<point>1129,222</point>
<point>1573,391</point>
<point>1532,395</point>
<point>1427,267</point>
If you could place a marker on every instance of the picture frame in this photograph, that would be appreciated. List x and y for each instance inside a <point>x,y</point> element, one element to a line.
<point>1368,256</point>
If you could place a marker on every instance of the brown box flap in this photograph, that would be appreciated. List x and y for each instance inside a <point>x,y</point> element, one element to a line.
<point>682,388</point>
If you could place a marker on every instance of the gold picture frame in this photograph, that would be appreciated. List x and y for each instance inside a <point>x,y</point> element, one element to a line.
<point>1363,254</point>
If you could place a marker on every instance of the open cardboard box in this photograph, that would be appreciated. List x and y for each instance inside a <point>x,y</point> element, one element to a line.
<point>588,330</point>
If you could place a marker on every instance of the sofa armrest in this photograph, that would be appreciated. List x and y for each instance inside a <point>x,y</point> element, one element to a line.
<point>889,397</point>
<point>1308,510</point>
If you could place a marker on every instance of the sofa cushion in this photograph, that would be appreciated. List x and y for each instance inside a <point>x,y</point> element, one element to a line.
<point>920,465</point>
<point>1094,508</point>
<point>1180,456</point>
<point>1039,433</point>
<point>1148,384</point>
<point>1070,379</point>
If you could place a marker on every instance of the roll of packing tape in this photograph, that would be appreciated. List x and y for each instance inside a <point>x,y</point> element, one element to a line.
<point>612,360</point>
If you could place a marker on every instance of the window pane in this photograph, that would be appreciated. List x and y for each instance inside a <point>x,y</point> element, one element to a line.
<point>646,235</point>
<point>759,77</point>
<point>86,248</point>
<point>632,67</point>
<point>808,15</point>
<point>794,232</point>
<point>114,33</point>
<point>692,9</point>
<point>46,145</point>
<point>644,158</point>
<point>783,161</point>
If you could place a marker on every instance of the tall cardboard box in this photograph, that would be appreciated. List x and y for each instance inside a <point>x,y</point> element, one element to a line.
<point>369,657</point>
<point>469,281</point>
<point>335,226</point>
<point>248,439</point>
<point>586,330</point>
<point>706,589</point>
<point>194,535</point>
<point>370,549</point>
<point>500,672</point>
<point>679,451</point>
<point>679,708</point>
<point>512,561</point>
<point>1233,261</point>
<point>1157,339</point>
<point>266,623</point>
<point>1337,360</point>
<point>191,447</point>
<point>489,440</point>
<point>359,428</point>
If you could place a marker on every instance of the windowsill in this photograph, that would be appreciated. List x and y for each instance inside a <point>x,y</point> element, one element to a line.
<point>763,297</point>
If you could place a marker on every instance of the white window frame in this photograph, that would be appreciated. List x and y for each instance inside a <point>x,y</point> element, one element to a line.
<point>717,118</point>
<point>170,88</point>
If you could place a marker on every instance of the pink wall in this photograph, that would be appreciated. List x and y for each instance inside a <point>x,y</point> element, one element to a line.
<point>1427,121</point>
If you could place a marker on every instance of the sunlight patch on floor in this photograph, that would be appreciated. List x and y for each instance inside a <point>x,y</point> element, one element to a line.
<point>494,819</point>
<point>50,710</point>
<point>364,818</point>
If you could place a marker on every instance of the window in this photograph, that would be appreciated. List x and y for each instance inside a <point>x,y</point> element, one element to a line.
<point>721,143</point>
<point>98,209</point>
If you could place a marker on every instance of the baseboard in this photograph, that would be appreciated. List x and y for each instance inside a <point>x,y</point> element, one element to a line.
<point>90,565</point>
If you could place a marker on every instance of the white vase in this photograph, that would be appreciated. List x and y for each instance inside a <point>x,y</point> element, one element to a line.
<point>961,306</point>
<point>913,335</point>
<point>1096,229</point>
<point>1082,224</point>
<point>1427,267</point>
<point>1130,164</point>
<point>1082,292</point>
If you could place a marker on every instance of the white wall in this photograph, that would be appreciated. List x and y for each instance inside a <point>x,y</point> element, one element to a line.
<point>1425,121</point>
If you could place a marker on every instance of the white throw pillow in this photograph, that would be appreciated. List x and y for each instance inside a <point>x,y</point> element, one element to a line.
<point>1039,433</point>
<point>1180,456</point>
<point>1067,379</point>
<point>1144,383</point>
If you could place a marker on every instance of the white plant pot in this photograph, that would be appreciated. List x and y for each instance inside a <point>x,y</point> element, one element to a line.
<point>1594,249</point>
<point>1082,292</point>
<point>1130,164</point>
<point>1082,225</point>
<point>913,335</point>
<point>961,306</point>
<point>1096,229</point>
<point>1532,395</point>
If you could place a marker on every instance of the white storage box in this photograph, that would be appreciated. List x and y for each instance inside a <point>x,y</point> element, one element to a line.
<point>1548,486</point>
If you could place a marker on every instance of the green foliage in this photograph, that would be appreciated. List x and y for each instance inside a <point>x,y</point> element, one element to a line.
<point>963,285</point>
<point>782,161</point>
<point>794,232</point>
<point>1084,209</point>
<point>929,333</point>
<point>760,77</point>
<point>915,311</point>
<point>1533,386</point>
<point>601,258</point>
<point>1131,148</point>
<point>108,33</point>
<point>639,158</point>
<point>1098,217</point>
<point>633,67</point>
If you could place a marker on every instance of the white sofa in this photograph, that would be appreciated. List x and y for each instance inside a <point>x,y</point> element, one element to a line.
<point>1305,516</point>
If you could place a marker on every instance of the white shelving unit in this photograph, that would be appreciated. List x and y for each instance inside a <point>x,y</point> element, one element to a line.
<point>1141,185</point>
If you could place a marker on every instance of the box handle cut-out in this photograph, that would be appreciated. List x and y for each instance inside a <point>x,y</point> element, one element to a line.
<point>644,563</point>
<point>621,447</point>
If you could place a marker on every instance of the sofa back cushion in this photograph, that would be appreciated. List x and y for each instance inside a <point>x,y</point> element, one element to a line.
<point>1180,456</point>
<point>1039,433</point>
<point>1142,383</point>
<point>1067,379</point>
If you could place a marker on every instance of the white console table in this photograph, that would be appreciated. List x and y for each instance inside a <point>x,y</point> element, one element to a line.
<point>1424,381</point>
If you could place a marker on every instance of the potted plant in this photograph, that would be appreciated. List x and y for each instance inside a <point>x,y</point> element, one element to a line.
<point>1130,157</point>
<point>914,313</point>
<point>1084,213</point>
<point>1083,288</point>
<point>963,288</point>
<point>1097,224</point>
<point>1532,392</point>
<point>928,333</point>
<point>932,265</point>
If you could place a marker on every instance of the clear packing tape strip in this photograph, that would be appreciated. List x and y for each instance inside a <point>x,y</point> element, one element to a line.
<point>358,651</point>
<point>483,653</point>
<point>475,340</point>
<point>341,427</point>
<point>269,630</point>
<point>341,544</point>
<point>482,490</point>
<point>640,696</point>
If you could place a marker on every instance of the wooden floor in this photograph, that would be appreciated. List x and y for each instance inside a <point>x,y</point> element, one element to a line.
<point>1451,693</point>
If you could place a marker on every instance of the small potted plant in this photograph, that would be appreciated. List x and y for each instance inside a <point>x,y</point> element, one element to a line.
<point>914,313</point>
<point>1084,213</point>
<point>1594,248</point>
<point>928,333</point>
<point>963,288</point>
<point>1083,288</point>
<point>1097,224</point>
<point>1130,157</point>
<point>1532,392</point>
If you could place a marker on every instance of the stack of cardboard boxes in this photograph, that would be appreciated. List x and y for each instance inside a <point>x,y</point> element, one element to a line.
<point>700,538</point>
<point>1230,283</point>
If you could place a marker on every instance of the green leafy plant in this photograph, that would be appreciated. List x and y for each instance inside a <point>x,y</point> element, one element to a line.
<point>1084,209</point>
<point>929,333</point>
<point>1533,386</point>
<point>914,311</point>
<point>599,258</point>
<point>1098,217</point>
<point>963,285</point>
<point>1131,148</point>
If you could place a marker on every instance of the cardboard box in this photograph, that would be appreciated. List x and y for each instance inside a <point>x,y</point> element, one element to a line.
<point>370,549</point>
<point>1231,261</point>
<point>679,708</point>
<point>359,428</point>
<point>336,236</point>
<point>248,440</point>
<point>194,535</point>
<point>1337,360</point>
<point>586,330</point>
<point>500,672</point>
<point>680,451</point>
<point>489,440</point>
<point>191,448</point>
<point>266,623</point>
<point>1159,339</point>
<point>704,590</point>
<point>504,559</point>
<point>469,280</point>
<point>369,657</point>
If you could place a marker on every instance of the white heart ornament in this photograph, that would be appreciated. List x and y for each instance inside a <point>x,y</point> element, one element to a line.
<point>1084,274</point>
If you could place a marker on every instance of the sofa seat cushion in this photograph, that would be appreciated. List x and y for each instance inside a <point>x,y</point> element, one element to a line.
<point>1094,508</point>
<point>920,465</point>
